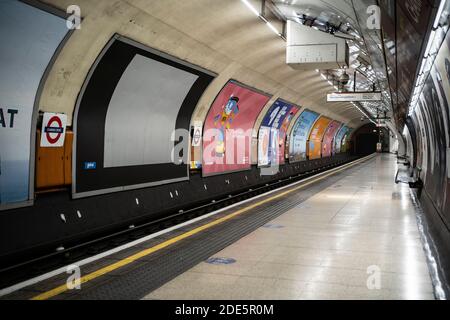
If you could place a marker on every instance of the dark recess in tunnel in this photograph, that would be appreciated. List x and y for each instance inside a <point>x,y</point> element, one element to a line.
<point>365,139</point>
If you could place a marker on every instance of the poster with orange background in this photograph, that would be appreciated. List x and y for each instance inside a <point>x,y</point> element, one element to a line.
<point>316,137</point>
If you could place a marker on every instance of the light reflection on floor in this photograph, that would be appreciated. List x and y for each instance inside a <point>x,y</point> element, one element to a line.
<point>325,249</point>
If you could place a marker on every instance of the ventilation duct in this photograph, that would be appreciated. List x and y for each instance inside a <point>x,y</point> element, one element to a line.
<point>309,49</point>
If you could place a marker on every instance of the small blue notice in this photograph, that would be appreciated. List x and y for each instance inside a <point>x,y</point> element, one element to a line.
<point>221,261</point>
<point>90,165</point>
<point>273,226</point>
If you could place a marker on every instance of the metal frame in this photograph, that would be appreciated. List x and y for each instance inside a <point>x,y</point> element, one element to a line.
<point>118,37</point>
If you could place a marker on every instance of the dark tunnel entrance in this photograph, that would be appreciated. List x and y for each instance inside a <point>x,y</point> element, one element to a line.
<point>365,140</point>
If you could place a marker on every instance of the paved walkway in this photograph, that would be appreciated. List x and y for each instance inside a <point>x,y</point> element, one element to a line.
<point>357,239</point>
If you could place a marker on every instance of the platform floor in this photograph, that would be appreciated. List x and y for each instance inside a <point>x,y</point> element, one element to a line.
<point>350,233</point>
<point>356,239</point>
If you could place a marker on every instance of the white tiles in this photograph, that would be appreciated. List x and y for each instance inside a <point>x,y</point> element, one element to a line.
<point>328,243</point>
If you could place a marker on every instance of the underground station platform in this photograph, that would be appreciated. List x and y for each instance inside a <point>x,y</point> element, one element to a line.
<point>322,237</point>
<point>213,159</point>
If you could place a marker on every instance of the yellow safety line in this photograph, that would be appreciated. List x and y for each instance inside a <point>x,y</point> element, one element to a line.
<point>91,276</point>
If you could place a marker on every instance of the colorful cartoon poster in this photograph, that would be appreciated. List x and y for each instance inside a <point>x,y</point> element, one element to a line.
<point>300,135</point>
<point>328,139</point>
<point>228,129</point>
<point>316,137</point>
<point>278,119</point>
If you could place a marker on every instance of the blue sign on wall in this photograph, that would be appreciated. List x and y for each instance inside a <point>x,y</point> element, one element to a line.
<point>90,165</point>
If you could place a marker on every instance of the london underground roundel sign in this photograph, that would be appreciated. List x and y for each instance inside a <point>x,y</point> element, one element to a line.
<point>53,130</point>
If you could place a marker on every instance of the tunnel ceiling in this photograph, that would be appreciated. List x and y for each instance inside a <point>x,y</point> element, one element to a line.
<point>221,36</point>
<point>347,19</point>
<point>227,38</point>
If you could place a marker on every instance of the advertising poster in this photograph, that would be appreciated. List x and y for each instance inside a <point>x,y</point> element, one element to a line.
<point>300,136</point>
<point>26,52</point>
<point>338,140</point>
<point>133,128</point>
<point>274,148</point>
<point>442,71</point>
<point>419,150</point>
<point>345,140</point>
<point>412,149</point>
<point>316,137</point>
<point>437,173</point>
<point>228,130</point>
<point>328,139</point>
<point>424,140</point>
<point>263,146</point>
<point>283,133</point>
<point>429,133</point>
<point>443,74</point>
<point>278,119</point>
<point>433,116</point>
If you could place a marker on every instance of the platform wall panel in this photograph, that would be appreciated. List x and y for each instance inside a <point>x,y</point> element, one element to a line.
<point>40,228</point>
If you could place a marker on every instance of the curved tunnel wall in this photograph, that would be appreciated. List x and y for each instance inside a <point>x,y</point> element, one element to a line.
<point>84,75</point>
<point>135,97</point>
<point>429,127</point>
<point>187,30</point>
<point>143,23</point>
<point>119,148</point>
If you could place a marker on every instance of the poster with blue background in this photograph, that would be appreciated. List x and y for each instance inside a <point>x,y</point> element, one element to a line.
<point>30,38</point>
<point>300,135</point>
<point>338,140</point>
<point>268,155</point>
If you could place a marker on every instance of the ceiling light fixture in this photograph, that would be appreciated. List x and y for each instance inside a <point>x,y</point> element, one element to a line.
<point>251,8</point>
<point>258,14</point>
<point>428,58</point>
